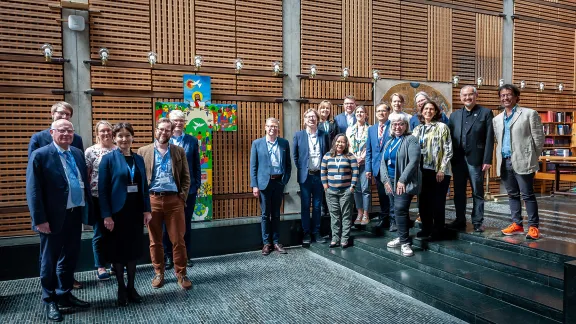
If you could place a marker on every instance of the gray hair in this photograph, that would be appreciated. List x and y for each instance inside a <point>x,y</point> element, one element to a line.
<point>423,94</point>
<point>176,114</point>
<point>273,120</point>
<point>59,121</point>
<point>396,117</point>
<point>469,86</point>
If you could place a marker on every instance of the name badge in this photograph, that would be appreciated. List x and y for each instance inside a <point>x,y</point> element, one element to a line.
<point>82,184</point>
<point>390,162</point>
<point>275,163</point>
<point>132,188</point>
<point>423,151</point>
<point>338,177</point>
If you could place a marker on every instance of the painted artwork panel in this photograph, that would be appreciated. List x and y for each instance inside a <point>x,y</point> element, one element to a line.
<point>225,117</point>
<point>197,90</point>
<point>440,92</point>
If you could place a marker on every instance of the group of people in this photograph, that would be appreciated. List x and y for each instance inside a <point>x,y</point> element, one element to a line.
<point>116,190</point>
<point>407,156</point>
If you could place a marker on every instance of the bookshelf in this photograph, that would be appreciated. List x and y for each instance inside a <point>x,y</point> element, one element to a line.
<point>559,133</point>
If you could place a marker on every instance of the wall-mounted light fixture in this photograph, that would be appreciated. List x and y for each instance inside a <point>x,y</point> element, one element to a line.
<point>276,68</point>
<point>152,58</point>
<point>345,73</point>
<point>541,86</point>
<point>198,60</point>
<point>104,55</point>
<point>375,75</point>
<point>500,82</point>
<point>560,87</point>
<point>47,50</point>
<point>313,71</point>
<point>238,65</point>
<point>522,84</point>
<point>455,80</point>
<point>480,82</point>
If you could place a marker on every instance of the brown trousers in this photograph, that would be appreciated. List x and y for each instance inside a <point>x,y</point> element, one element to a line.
<point>168,210</point>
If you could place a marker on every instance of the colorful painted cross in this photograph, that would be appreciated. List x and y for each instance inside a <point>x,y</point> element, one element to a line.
<point>202,118</point>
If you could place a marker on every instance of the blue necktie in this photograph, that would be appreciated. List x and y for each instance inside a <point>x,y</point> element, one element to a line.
<point>75,190</point>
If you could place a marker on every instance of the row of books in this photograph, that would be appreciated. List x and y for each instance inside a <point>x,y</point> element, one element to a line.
<point>557,129</point>
<point>548,141</point>
<point>556,117</point>
<point>556,152</point>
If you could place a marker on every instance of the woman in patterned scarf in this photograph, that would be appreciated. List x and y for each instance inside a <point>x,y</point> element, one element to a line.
<point>357,136</point>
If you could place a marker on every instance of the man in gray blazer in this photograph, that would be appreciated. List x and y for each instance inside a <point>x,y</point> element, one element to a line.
<point>520,139</point>
<point>270,169</point>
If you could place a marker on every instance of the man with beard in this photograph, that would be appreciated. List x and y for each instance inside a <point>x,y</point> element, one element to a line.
<point>473,143</point>
<point>169,182</point>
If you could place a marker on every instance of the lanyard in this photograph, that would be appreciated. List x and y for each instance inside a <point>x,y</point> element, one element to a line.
<point>338,162</point>
<point>164,160</point>
<point>274,148</point>
<point>397,140</point>
<point>311,142</point>
<point>131,171</point>
<point>326,126</point>
<point>70,162</point>
<point>177,140</point>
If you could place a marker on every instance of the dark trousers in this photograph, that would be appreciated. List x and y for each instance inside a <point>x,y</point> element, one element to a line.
<point>270,202</point>
<point>188,211</point>
<point>520,185</point>
<point>384,201</point>
<point>432,201</point>
<point>58,256</point>
<point>97,248</point>
<point>311,191</point>
<point>464,172</point>
<point>401,203</point>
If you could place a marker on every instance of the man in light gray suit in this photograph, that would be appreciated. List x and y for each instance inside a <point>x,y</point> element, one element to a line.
<point>520,139</point>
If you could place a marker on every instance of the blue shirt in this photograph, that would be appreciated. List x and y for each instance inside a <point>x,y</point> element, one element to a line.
<point>177,140</point>
<point>390,156</point>
<point>69,203</point>
<point>275,158</point>
<point>506,145</point>
<point>162,178</point>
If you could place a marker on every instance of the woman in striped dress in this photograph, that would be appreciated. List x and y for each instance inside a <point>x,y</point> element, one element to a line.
<point>339,172</point>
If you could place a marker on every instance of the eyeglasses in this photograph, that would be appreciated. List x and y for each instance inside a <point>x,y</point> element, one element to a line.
<point>398,125</point>
<point>177,120</point>
<point>381,111</point>
<point>311,117</point>
<point>64,131</point>
<point>164,130</point>
<point>63,112</point>
<point>272,126</point>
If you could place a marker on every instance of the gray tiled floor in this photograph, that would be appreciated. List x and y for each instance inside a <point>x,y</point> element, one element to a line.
<point>300,287</point>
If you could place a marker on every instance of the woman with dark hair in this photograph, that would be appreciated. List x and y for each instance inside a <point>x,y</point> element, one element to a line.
<point>401,177</point>
<point>125,208</point>
<point>339,172</point>
<point>436,150</point>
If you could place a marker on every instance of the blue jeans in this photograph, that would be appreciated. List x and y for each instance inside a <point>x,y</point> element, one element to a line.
<point>362,194</point>
<point>311,190</point>
<point>462,173</point>
<point>188,211</point>
<point>384,201</point>
<point>401,203</point>
<point>97,249</point>
<point>270,202</point>
<point>520,185</point>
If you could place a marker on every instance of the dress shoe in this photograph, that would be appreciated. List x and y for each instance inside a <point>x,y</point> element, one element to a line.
<point>134,296</point>
<point>306,240</point>
<point>77,285</point>
<point>279,248</point>
<point>346,245</point>
<point>318,239</point>
<point>393,227</point>
<point>266,249</point>
<point>478,228</point>
<point>122,298</point>
<point>189,263</point>
<point>70,300</point>
<point>158,280</point>
<point>169,263</point>
<point>456,225</point>
<point>53,312</point>
<point>184,282</point>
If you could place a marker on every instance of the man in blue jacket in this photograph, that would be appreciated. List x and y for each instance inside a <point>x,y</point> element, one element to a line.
<point>347,118</point>
<point>378,134</point>
<point>270,169</point>
<point>59,200</point>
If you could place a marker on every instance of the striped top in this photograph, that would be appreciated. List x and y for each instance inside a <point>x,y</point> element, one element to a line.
<point>340,171</point>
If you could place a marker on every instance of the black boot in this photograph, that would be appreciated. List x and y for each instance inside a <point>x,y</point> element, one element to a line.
<point>122,296</point>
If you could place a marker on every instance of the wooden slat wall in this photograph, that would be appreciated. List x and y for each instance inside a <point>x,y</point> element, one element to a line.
<point>414,42</point>
<point>439,44</point>
<point>489,48</point>
<point>386,37</point>
<point>172,27</point>
<point>357,37</point>
<point>215,31</point>
<point>463,48</point>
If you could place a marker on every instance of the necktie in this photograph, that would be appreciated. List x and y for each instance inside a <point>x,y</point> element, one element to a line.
<point>75,190</point>
<point>381,134</point>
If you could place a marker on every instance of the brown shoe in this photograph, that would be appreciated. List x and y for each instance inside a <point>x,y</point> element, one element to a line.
<point>158,280</point>
<point>77,285</point>
<point>267,249</point>
<point>280,248</point>
<point>184,282</point>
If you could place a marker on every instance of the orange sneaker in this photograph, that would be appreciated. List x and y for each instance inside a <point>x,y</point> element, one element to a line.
<point>533,233</point>
<point>513,229</point>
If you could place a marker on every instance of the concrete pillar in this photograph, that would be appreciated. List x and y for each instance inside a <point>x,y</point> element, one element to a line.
<point>508,41</point>
<point>291,90</point>
<point>76,47</point>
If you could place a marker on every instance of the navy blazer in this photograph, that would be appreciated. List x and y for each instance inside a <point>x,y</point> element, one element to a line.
<point>260,162</point>
<point>301,151</point>
<point>113,179</point>
<point>190,146</point>
<point>373,148</point>
<point>44,138</point>
<point>342,122</point>
<point>47,188</point>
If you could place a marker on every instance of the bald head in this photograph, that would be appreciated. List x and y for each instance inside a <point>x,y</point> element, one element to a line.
<point>62,132</point>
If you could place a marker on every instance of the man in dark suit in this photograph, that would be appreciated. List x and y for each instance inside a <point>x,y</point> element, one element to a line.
<point>473,142</point>
<point>169,184</point>
<point>60,110</point>
<point>190,146</point>
<point>309,146</point>
<point>270,169</point>
<point>347,118</point>
<point>378,134</point>
<point>58,197</point>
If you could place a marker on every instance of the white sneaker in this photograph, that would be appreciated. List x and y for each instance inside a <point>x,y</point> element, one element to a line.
<point>394,243</point>
<point>407,250</point>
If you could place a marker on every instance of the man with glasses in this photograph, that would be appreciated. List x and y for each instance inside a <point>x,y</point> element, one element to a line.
<point>190,146</point>
<point>378,134</point>
<point>347,118</point>
<point>58,197</point>
<point>520,138</point>
<point>473,141</point>
<point>169,182</point>
<point>309,147</point>
<point>270,170</point>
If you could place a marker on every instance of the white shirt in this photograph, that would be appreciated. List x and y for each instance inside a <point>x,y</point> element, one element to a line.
<point>314,151</point>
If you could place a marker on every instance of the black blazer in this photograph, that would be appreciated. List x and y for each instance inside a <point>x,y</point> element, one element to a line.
<point>479,138</point>
<point>333,130</point>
